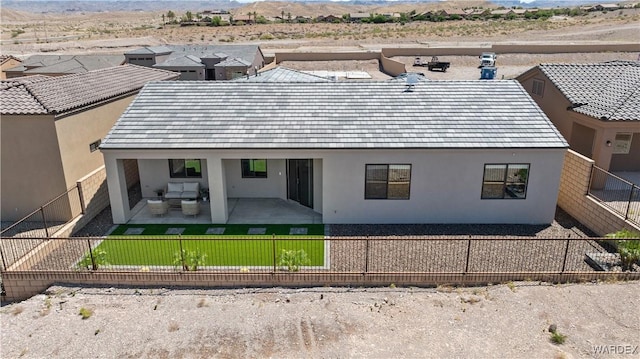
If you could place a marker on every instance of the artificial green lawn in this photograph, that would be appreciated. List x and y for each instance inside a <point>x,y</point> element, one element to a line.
<point>230,249</point>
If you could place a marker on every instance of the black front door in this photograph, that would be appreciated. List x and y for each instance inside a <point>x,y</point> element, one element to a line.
<point>300,181</point>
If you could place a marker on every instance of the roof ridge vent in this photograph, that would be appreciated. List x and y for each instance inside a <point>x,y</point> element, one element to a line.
<point>411,80</point>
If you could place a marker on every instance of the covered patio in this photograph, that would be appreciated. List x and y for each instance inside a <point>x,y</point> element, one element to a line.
<point>241,211</point>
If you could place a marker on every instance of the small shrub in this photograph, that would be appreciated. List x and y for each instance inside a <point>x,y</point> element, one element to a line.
<point>99,260</point>
<point>292,260</point>
<point>629,251</point>
<point>189,260</point>
<point>266,36</point>
<point>85,313</point>
<point>557,337</point>
<point>628,246</point>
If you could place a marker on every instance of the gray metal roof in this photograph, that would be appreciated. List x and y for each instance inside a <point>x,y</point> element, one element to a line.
<point>607,90</point>
<point>35,95</point>
<point>366,115</point>
<point>283,74</point>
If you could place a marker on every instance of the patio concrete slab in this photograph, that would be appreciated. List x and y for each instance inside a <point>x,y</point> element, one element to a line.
<point>270,211</point>
<point>241,211</point>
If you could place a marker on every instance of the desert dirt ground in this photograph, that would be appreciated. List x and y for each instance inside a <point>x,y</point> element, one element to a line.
<point>500,321</point>
<point>24,34</point>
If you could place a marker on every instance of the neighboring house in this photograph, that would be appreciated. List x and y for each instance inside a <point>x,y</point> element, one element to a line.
<point>7,62</point>
<point>604,7</point>
<point>283,74</point>
<point>595,106</point>
<point>201,62</point>
<point>356,152</point>
<point>51,128</point>
<point>329,18</point>
<point>59,65</point>
<point>359,16</point>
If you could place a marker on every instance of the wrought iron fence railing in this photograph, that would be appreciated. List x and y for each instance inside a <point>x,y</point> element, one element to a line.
<point>344,255</point>
<point>617,194</point>
<point>45,220</point>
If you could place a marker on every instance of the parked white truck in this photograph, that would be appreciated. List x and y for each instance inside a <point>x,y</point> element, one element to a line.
<point>488,59</point>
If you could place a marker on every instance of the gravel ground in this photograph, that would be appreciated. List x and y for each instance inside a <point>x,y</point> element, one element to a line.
<point>502,321</point>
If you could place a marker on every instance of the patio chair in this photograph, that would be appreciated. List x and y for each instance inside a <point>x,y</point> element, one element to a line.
<point>190,207</point>
<point>158,207</point>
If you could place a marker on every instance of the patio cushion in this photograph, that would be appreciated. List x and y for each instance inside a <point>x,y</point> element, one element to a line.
<point>190,187</point>
<point>175,187</point>
<point>191,190</point>
<point>182,190</point>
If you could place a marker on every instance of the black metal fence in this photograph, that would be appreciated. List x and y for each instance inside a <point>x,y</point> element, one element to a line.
<point>45,220</point>
<point>345,255</point>
<point>617,194</point>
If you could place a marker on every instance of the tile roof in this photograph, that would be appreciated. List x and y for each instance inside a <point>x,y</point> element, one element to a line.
<point>4,58</point>
<point>283,74</point>
<point>150,50</point>
<point>54,95</point>
<point>366,115</point>
<point>67,64</point>
<point>182,61</point>
<point>244,52</point>
<point>233,62</point>
<point>606,90</point>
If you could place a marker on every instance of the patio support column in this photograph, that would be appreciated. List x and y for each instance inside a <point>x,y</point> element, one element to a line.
<point>117,185</point>
<point>217,190</point>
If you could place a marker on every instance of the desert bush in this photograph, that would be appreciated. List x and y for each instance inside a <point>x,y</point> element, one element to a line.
<point>99,260</point>
<point>189,260</point>
<point>292,260</point>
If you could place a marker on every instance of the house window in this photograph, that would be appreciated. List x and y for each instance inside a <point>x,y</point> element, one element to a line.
<point>184,168</point>
<point>538,87</point>
<point>253,168</point>
<point>387,181</point>
<point>622,144</point>
<point>94,146</point>
<point>505,181</point>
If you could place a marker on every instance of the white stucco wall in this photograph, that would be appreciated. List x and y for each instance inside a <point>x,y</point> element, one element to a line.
<point>445,187</point>
<point>445,184</point>
<point>274,186</point>
<point>154,175</point>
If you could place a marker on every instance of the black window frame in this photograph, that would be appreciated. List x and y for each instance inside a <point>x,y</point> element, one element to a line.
<point>254,173</point>
<point>367,182</point>
<point>509,188</point>
<point>173,173</point>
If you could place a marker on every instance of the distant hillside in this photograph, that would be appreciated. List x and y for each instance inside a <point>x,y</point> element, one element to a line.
<point>271,8</point>
<point>275,8</point>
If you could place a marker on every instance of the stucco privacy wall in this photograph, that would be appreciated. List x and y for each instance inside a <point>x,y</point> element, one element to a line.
<point>95,196</point>
<point>22,285</point>
<point>391,67</point>
<point>573,198</point>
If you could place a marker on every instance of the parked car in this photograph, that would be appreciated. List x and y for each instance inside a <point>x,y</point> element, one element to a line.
<point>488,59</point>
<point>434,64</point>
